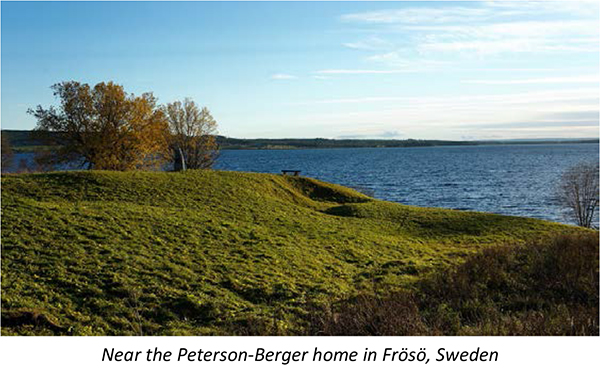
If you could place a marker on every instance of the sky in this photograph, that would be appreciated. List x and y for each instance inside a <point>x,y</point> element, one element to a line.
<point>396,70</point>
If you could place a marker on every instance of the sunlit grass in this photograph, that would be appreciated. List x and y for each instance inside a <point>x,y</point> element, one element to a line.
<point>214,252</point>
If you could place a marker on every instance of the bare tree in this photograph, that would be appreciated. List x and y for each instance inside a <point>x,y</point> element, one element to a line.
<point>578,192</point>
<point>193,141</point>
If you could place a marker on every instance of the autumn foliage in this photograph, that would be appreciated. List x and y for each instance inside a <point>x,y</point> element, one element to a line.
<point>103,127</point>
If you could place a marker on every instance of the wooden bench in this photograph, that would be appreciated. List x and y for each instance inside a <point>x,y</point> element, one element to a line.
<point>291,172</point>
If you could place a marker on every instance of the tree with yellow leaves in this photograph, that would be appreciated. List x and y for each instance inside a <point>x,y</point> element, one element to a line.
<point>103,127</point>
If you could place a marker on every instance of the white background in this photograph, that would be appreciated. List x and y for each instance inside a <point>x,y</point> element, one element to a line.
<point>86,352</point>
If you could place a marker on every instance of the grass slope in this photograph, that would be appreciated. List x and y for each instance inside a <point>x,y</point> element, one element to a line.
<point>214,252</point>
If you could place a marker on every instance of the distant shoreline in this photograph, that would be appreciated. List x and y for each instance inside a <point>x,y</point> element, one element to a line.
<point>22,141</point>
<point>472,144</point>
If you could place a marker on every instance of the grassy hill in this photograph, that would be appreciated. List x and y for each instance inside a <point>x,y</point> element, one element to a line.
<point>214,252</point>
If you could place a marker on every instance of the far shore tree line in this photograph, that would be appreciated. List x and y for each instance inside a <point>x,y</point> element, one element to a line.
<point>105,128</point>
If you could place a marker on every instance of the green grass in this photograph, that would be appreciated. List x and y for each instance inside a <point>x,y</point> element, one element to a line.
<point>215,252</point>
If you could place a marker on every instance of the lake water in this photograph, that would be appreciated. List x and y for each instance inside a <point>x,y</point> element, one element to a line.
<point>515,180</point>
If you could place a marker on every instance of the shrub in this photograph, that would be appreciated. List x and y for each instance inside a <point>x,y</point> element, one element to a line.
<point>544,288</point>
<point>7,152</point>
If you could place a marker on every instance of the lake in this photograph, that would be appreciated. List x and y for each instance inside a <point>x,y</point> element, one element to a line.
<point>515,180</point>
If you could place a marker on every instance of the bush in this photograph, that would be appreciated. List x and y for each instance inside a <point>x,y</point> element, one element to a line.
<point>7,152</point>
<point>397,314</point>
<point>548,288</point>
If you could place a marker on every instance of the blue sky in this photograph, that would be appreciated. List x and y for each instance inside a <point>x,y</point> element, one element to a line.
<point>428,70</point>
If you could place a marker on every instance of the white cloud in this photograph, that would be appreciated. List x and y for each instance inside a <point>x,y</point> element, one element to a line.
<point>486,28</point>
<point>477,12</point>
<point>547,80</point>
<point>402,59</point>
<point>514,69</point>
<point>283,76</point>
<point>370,132</point>
<point>543,29</point>
<point>414,67</point>
<point>579,7</point>
<point>529,36</point>
<point>360,71</point>
<point>370,43</point>
<point>514,45</point>
<point>452,37</point>
<point>419,15</point>
<point>442,116</point>
<point>472,101</point>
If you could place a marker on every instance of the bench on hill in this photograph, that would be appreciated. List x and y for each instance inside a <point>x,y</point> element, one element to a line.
<point>291,172</point>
